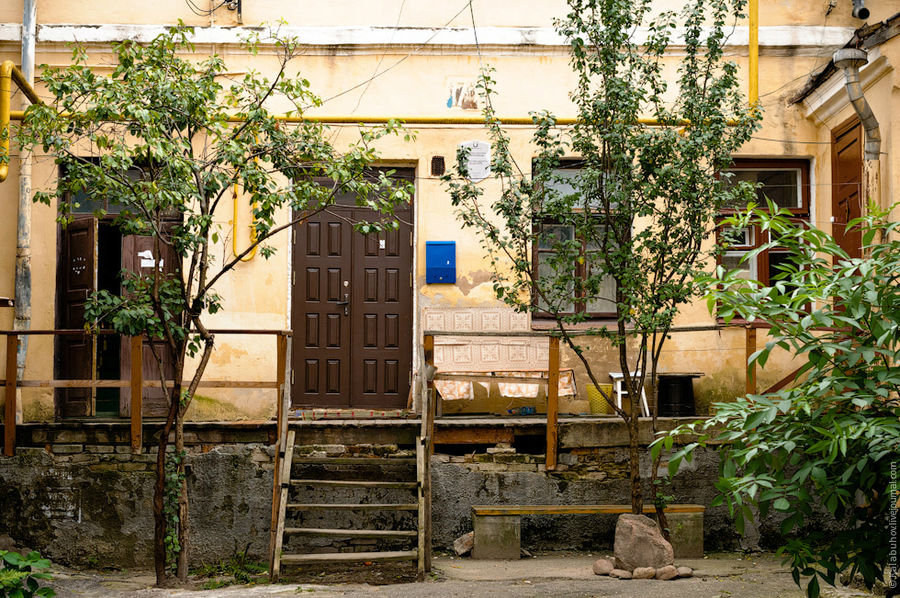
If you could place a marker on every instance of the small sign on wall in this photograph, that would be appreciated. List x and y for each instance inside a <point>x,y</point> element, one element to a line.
<point>479,163</point>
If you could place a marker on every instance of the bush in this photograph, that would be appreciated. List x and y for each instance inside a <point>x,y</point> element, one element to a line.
<point>20,574</point>
<point>831,441</point>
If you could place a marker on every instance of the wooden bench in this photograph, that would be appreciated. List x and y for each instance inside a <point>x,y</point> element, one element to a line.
<point>498,528</point>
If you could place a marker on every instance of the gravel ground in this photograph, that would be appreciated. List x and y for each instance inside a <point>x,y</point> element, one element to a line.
<point>551,575</point>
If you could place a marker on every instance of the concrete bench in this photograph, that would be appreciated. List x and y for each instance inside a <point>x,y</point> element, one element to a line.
<point>498,528</point>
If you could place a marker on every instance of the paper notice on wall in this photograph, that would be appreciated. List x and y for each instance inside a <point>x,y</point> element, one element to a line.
<point>479,164</point>
<point>147,260</point>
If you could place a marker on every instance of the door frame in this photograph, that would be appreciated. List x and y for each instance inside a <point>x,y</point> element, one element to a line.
<point>417,356</point>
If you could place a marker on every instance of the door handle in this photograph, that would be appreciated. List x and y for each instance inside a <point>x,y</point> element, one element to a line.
<point>345,303</point>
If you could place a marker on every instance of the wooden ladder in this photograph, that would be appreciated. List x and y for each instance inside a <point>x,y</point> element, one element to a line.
<point>288,504</point>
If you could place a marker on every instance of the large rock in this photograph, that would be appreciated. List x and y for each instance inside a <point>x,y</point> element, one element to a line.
<point>639,543</point>
<point>463,545</point>
<point>603,566</point>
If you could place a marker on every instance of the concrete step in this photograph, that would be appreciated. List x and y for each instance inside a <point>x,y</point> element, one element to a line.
<point>348,557</point>
<point>352,507</point>
<point>350,533</point>
<point>355,484</point>
<point>379,461</point>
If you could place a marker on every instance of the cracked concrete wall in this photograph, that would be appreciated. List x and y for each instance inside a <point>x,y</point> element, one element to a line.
<point>90,505</point>
<point>95,508</point>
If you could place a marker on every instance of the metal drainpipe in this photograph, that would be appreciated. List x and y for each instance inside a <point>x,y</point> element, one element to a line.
<point>23,224</point>
<point>849,60</point>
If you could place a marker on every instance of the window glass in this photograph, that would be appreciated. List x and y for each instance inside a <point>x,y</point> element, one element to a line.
<point>780,185</point>
<point>732,261</point>
<point>554,234</point>
<point>559,297</point>
<point>564,180</point>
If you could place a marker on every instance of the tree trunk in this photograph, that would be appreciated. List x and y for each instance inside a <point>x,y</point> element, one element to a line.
<point>183,522</point>
<point>654,467</point>
<point>159,495</point>
<point>634,457</point>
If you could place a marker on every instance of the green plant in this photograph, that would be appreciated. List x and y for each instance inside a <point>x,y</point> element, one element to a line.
<point>829,444</point>
<point>239,566</point>
<point>163,141</point>
<point>623,234</point>
<point>20,576</point>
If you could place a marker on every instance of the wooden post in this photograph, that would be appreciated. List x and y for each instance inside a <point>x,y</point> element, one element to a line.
<point>428,350</point>
<point>280,410</point>
<point>750,349</point>
<point>9,417</point>
<point>137,393</point>
<point>552,403</point>
<point>423,457</point>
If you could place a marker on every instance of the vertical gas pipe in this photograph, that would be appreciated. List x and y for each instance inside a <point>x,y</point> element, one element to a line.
<point>23,223</point>
<point>754,52</point>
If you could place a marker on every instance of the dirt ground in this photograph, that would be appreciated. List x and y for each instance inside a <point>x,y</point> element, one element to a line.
<point>548,575</point>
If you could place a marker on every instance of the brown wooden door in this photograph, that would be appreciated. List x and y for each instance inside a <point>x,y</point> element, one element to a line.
<point>352,310</point>
<point>139,255</point>
<point>76,280</point>
<point>322,275</point>
<point>846,174</point>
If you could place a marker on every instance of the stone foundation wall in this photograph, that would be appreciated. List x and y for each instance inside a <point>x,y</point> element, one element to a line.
<point>82,499</point>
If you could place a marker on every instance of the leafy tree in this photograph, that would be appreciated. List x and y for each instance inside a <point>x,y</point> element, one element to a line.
<point>167,140</point>
<point>828,445</point>
<point>636,215</point>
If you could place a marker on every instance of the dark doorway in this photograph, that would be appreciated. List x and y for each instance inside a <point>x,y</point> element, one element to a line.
<point>352,309</point>
<point>93,253</point>
<point>846,179</point>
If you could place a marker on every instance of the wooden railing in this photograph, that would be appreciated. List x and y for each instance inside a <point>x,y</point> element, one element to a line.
<point>136,381</point>
<point>552,381</point>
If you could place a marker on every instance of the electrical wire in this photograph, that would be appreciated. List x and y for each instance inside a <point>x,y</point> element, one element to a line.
<point>403,59</point>
<point>380,60</point>
<point>203,12</point>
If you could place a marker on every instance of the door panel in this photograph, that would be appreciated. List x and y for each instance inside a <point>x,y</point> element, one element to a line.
<point>382,313</point>
<point>846,198</point>
<point>76,279</point>
<point>321,256</point>
<point>139,255</point>
<point>358,353</point>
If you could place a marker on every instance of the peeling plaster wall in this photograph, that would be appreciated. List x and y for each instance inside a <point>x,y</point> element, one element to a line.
<point>348,42</point>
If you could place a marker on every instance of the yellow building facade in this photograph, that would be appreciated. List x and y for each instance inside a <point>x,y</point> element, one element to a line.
<point>418,61</point>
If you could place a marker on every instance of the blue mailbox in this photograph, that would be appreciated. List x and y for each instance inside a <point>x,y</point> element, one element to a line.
<point>440,262</point>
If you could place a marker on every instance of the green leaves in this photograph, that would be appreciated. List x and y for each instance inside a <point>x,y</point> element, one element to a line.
<point>830,441</point>
<point>20,575</point>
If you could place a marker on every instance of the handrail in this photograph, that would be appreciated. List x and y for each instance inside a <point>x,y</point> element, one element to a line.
<point>784,381</point>
<point>10,73</point>
<point>136,382</point>
<point>103,331</point>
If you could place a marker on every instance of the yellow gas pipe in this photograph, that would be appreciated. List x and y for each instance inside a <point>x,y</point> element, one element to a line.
<point>754,53</point>
<point>9,73</point>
